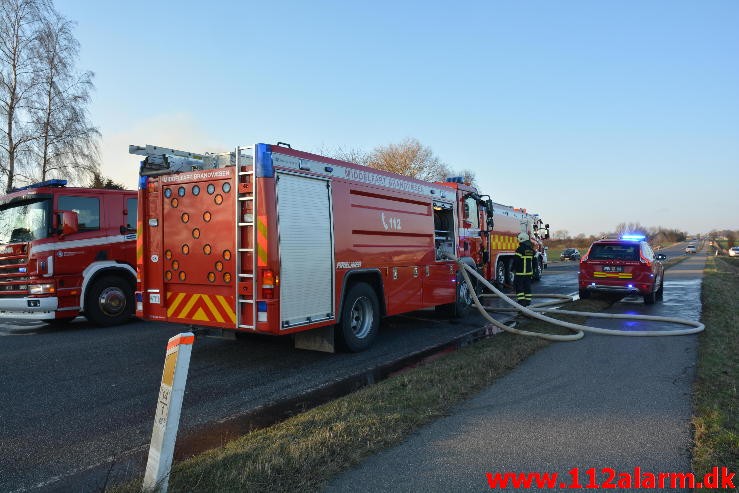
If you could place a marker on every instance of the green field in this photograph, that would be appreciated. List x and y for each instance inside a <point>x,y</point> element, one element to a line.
<point>716,401</point>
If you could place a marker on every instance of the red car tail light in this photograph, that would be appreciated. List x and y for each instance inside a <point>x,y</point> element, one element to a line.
<point>644,260</point>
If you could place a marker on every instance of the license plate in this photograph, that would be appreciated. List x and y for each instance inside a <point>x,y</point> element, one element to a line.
<point>613,268</point>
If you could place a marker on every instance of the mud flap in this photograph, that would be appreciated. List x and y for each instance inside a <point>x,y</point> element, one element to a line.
<point>321,339</point>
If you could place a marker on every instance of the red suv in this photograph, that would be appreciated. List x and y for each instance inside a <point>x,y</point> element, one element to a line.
<point>624,265</point>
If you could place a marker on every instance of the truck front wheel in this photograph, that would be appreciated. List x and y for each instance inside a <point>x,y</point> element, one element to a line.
<point>500,273</point>
<point>509,274</point>
<point>360,318</point>
<point>109,301</point>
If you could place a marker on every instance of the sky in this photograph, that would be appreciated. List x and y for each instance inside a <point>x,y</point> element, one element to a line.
<point>588,113</point>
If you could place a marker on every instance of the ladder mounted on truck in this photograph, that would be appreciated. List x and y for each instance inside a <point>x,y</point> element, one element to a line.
<point>163,160</point>
<point>246,240</point>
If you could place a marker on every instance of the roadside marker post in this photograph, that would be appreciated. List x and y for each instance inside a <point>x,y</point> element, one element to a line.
<point>167,417</point>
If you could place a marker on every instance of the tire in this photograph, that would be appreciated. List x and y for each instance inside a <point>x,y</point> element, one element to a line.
<point>584,294</point>
<point>463,299</point>
<point>109,301</point>
<point>651,298</point>
<point>510,276</point>
<point>537,270</point>
<point>360,318</point>
<point>500,272</point>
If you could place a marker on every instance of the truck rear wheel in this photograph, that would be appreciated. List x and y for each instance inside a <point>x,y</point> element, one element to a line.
<point>463,298</point>
<point>360,318</point>
<point>109,301</point>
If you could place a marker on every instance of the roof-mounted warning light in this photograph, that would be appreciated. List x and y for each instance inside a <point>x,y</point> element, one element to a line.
<point>47,183</point>
<point>455,179</point>
<point>633,237</point>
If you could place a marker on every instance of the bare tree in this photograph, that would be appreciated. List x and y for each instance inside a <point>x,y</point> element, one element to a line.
<point>409,158</point>
<point>19,26</point>
<point>66,143</point>
<point>624,228</point>
<point>97,180</point>
<point>469,177</point>
<point>351,154</point>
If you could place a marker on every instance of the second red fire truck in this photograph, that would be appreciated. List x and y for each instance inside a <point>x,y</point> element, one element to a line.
<point>66,251</point>
<point>269,239</point>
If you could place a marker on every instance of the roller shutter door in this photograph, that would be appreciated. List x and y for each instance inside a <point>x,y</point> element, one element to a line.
<point>306,249</point>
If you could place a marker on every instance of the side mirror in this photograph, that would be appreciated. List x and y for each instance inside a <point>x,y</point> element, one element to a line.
<point>489,214</point>
<point>69,223</point>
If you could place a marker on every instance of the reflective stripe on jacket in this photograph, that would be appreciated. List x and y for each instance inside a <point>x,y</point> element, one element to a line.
<point>523,262</point>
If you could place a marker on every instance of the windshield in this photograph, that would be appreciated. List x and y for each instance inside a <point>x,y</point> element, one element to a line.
<point>25,220</point>
<point>615,252</point>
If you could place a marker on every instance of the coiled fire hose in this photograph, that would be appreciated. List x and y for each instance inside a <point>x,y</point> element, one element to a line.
<point>577,328</point>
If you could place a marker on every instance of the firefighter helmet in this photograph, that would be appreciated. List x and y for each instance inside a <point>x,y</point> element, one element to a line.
<point>523,237</point>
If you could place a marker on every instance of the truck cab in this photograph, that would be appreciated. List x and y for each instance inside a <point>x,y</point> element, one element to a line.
<point>66,251</point>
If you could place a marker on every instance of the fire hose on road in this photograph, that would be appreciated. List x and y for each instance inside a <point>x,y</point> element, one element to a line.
<point>536,310</point>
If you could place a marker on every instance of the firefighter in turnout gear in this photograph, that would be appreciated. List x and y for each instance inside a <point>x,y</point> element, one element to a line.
<point>523,267</point>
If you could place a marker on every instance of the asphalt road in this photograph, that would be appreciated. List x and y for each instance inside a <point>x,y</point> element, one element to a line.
<point>604,401</point>
<point>78,403</point>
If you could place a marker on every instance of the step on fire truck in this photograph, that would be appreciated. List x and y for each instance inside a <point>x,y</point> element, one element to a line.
<point>66,251</point>
<point>273,240</point>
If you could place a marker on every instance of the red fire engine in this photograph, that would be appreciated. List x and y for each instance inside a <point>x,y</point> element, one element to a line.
<point>64,251</point>
<point>508,222</point>
<point>274,240</point>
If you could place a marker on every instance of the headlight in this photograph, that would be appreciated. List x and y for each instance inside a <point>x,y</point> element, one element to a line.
<point>41,288</point>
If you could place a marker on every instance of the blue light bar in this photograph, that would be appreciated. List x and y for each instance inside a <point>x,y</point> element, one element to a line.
<point>455,179</point>
<point>47,183</point>
<point>632,237</point>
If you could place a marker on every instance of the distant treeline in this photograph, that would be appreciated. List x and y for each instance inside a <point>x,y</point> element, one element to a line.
<point>655,235</point>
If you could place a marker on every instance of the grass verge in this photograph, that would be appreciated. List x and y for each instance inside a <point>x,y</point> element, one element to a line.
<point>303,452</point>
<point>716,403</point>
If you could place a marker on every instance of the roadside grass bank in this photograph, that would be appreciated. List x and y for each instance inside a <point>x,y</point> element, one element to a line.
<point>715,397</point>
<point>304,452</point>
